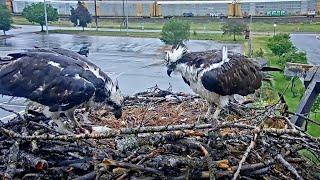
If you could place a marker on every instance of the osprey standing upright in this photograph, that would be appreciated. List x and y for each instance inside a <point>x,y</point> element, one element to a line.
<point>216,75</point>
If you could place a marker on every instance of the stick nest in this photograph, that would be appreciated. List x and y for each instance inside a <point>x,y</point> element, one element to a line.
<point>161,135</point>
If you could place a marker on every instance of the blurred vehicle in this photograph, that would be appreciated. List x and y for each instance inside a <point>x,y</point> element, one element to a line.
<point>216,15</point>
<point>189,14</point>
<point>311,13</point>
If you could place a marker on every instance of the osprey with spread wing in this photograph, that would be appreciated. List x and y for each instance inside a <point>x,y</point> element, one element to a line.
<point>59,79</point>
<point>216,75</point>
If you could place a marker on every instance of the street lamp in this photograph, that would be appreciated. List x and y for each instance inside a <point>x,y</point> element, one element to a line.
<point>96,14</point>
<point>274,29</point>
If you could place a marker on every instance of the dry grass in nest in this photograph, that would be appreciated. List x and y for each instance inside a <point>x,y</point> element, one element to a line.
<point>154,114</point>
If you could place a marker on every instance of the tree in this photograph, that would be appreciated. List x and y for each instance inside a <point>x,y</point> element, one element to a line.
<point>80,16</point>
<point>294,57</point>
<point>5,19</point>
<point>280,44</point>
<point>234,28</point>
<point>175,32</point>
<point>35,13</point>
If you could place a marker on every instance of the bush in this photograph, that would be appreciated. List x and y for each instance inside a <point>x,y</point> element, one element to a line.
<point>234,28</point>
<point>175,32</point>
<point>316,105</point>
<point>195,33</point>
<point>80,15</point>
<point>294,57</point>
<point>35,13</point>
<point>5,19</point>
<point>280,44</point>
<point>259,53</point>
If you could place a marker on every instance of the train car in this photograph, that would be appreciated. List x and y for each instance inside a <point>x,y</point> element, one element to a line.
<point>239,8</point>
<point>169,8</point>
<point>104,8</point>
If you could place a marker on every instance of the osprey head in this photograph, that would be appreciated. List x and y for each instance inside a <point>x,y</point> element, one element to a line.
<point>115,100</point>
<point>174,55</point>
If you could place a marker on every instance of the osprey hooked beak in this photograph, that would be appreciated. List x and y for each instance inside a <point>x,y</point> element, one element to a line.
<point>117,112</point>
<point>169,71</point>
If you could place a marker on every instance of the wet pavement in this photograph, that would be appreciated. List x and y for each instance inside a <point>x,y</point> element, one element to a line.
<point>137,63</point>
<point>309,44</point>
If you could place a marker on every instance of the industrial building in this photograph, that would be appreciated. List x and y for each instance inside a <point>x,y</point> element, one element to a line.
<point>160,8</point>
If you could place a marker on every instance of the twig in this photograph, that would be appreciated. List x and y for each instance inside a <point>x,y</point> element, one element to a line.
<point>304,117</point>
<point>108,134</point>
<point>251,146</point>
<point>210,162</point>
<point>232,125</point>
<point>289,131</point>
<point>286,164</point>
<point>109,162</point>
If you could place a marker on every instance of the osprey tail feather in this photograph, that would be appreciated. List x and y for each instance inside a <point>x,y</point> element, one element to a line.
<point>266,68</point>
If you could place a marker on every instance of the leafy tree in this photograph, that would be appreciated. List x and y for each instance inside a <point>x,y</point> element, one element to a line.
<point>175,32</point>
<point>234,28</point>
<point>5,19</point>
<point>280,44</point>
<point>35,13</point>
<point>80,15</point>
<point>294,57</point>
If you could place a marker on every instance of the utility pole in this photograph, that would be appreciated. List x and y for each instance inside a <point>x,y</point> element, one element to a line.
<point>45,16</point>
<point>250,37</point>
<point>96,14</point>
<point>127,24</point>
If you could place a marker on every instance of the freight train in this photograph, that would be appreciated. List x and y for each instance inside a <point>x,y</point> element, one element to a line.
<point>161,8</point>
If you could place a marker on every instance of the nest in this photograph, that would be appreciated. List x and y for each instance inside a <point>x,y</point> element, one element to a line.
<point>161,135</point>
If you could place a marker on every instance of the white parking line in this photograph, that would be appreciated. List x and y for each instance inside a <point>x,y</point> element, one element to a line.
<point>10,116</point>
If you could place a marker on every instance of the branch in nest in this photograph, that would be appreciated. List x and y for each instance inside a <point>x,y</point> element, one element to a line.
<point>286,164</point>
<point>107,134</point>
<point>232,125</point>
<point>289,131</point>
<point>33,161</point>
<point>251,146</point>
<point>134,167</point>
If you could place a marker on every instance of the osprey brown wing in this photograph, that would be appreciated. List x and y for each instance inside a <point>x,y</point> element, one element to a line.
<point>238,76</point>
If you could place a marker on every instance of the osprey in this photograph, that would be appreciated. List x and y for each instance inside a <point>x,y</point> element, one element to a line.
<point>216,75</point>
<point>61,80</point>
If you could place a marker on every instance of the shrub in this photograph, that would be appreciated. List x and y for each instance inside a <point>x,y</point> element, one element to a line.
<point>5,19</point>
<point>294,57</point>
<point>280,44</point>
<point>175,32</point>
<point>35,13</point>
<point>80,15</point>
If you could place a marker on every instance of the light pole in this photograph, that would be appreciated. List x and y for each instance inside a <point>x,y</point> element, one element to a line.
<point>250,34</point>
<point>95,13</point>
<point>127,15</point>
<point>274,29</point>
<point>45,16</point>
